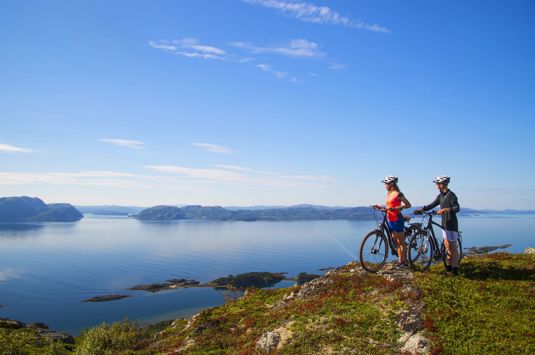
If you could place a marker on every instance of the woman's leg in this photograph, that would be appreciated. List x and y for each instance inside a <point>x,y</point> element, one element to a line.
<point>399,237</point>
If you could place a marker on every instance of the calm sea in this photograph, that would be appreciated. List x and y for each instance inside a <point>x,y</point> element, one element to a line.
<point>47,269</point>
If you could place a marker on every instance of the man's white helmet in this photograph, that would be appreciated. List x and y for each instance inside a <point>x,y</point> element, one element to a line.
<point>390,179</point>
<point>442,179</point>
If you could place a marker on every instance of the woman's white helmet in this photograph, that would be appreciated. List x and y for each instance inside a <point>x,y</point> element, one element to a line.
<point>390,179</point>
<point>442,179</point>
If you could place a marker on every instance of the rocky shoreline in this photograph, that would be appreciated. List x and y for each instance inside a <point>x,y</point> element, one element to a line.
<point>41,330</point>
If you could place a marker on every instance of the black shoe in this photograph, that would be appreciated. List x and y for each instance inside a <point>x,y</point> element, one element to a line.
<point>455,271</point>
<point>449,268</point>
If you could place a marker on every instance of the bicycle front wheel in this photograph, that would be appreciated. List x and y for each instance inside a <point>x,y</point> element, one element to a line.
<point>373,251</point>
<point>420,251</point>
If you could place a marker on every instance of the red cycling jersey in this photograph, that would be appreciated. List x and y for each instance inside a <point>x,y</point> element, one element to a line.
<point>393,201</point>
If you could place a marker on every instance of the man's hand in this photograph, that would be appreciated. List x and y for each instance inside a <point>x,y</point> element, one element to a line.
<point>442,210</point>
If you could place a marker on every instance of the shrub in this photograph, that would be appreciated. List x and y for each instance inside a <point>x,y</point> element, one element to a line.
<point>107,339</point>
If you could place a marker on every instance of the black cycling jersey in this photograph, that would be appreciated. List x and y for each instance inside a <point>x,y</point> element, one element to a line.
<point>447,200</point>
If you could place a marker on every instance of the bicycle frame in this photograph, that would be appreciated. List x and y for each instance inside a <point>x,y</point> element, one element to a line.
<point>429,228</point>
<point>383,227</point>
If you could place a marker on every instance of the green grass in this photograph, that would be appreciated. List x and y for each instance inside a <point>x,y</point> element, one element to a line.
<point>490,308</point>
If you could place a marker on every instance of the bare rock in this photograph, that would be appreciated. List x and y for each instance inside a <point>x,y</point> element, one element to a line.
<point>417,344</point>
<point>409,320</point>
<point>289,297</point>
<point>56,336</point>
<point>313,287</point>
<point>268,342</point>
<point>11,324</point>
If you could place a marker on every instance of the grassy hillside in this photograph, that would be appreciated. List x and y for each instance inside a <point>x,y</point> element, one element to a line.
<point>490,308</point>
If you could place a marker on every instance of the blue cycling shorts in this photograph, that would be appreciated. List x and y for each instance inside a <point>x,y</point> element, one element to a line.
<point>397,226</point>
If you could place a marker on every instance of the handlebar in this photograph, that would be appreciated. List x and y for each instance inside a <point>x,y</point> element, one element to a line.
<point>430,213</point>
<point>383,209</point>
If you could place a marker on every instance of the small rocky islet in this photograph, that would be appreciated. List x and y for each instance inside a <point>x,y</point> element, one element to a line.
<point>232,282</point>
<point>167,285</point>
<point>105,298</point>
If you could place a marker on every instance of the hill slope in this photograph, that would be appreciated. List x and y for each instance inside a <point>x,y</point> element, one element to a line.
<point>33,209</point>
<point>490,308</point>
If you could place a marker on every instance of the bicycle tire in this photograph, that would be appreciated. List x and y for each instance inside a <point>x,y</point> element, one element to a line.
<point>420,251</point>
<point>379,246</point>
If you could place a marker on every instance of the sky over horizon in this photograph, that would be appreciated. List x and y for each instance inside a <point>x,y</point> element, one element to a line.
<point>266,102</point>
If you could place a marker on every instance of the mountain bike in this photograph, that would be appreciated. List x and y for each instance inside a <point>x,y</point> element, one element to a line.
<point>423,247</point>
<point>377,243</point>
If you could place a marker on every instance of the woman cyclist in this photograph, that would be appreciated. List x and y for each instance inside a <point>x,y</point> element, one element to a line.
<point>395,202</point>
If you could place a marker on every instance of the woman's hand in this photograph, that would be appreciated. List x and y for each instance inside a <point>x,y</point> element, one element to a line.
<point>443,210</point>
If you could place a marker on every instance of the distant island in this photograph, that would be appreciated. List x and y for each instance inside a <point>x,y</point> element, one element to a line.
<point>217,213</point>
<point>291,213</point>
<point>33,209</point>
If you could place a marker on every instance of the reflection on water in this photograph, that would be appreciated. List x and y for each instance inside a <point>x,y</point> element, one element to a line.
<point>47,269</point>
<point>17,227</point>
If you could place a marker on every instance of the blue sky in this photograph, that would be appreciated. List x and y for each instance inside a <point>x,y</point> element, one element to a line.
<point>272,102</point>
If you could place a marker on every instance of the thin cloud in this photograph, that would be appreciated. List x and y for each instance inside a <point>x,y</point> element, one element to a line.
<point>308,12</point>
<point>8,148</point>
<point>214,148</point>
<point>189,47</point>
<point>233,174</point>
<point>85,178</point>
<point>336,66</point>
<point>269,69</point>
<point>294,48</point>
<point>203,174</point>
<point>127,143</point>
<point>244,169</point>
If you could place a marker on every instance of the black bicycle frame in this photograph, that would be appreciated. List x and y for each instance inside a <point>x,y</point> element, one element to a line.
<point>429,227</point>
<point>383,227</point>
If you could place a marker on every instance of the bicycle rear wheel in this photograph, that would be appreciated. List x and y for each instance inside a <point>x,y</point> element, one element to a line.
<point>420,251</point>
<point>373,251</point>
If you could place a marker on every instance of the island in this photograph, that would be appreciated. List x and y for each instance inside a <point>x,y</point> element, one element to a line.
<point>106,298</point>
<point>218,213</point>
<point>248,279</point>
<point>33,209</point>
<point>167,285</point>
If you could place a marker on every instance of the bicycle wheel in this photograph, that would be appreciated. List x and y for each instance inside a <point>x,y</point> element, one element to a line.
<point>420,251</point>
<point>445,255</point>
<point>373,251</point>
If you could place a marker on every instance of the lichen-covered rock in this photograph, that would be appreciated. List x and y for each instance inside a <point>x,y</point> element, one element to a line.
<point>529,251</point>
<point>417,344</point>
<point>268,342</point>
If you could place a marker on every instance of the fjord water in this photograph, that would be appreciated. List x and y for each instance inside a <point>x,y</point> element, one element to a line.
<point>47,269</point>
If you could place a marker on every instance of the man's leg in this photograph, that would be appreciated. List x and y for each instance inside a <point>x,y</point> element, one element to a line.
<point>450,242</point>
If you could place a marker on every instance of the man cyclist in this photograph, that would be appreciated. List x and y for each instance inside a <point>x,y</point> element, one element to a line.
<point>449,207</point>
